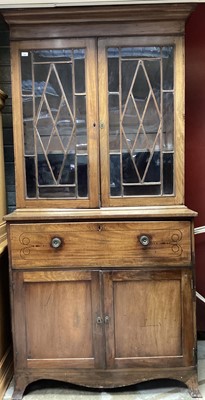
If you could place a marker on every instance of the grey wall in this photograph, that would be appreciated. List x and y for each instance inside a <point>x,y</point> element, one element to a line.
<point>5,85</point>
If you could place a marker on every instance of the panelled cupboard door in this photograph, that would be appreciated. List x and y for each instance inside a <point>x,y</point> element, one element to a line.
<point>55,319</point>
<point>149,319</point>
<point>96,319</point>
<point>135,85</point>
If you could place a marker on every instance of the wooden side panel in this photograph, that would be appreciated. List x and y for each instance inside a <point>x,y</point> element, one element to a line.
<point>101,244</point>
<point>57,312</point>
<point>195,144</point>
<point>6,362</point>
<point>152,308</point>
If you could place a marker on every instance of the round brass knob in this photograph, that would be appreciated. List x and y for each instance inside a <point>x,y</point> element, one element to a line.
<point>144,240</point>
<point>56,242</point>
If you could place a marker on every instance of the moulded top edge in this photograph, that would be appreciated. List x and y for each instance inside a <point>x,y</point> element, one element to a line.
<point>98,12</point>
<point>77,3</point>
<point>103,213</point>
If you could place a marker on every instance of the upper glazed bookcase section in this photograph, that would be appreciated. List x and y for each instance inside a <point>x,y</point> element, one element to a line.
<point>99,110</point>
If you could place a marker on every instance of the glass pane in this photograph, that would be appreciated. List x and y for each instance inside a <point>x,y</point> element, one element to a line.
<point>64,124</point>
<point>152,68</point>
<point>168,67</point>
<point>168,121</point>
<point>57,192</point>
<point>41,72</point>
<point>141,89</point>
<point>56,161</point>
<point>115,181</point>
<point>30,177</point>
<point>44,174</point>
<point>141,111</point>
<point>28,126</point>
<point>82,165</point>
<point>168,172</point>
<point>146,113</point>
<point>68,172</point>
<point>140,52</point>
<point>151,120</point>
<point>53,92</point>
<point>114,123</point>
<point>128,71</point>
<point>52,55</point>
<point>141,141</point>
<point>129,168</point>
<point>44,127</point>
<point>151,190</point>
<point>153,172</point>
<point>80,104</point>
<point>26,73</point>
<point>141,162</point>
<point>65,74</point>
<point>131,122</point>
<point>81,124</point>
<point>55,120</point>
<point>113,69</point>
<point>79,59</point>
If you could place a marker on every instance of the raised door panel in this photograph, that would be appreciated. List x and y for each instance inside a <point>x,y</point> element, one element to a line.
<point>147,322</point>
<point>59,322</point>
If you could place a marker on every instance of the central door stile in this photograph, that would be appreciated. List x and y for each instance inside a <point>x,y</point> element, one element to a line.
<point>98,325</point>
<point>109,319</point>
<point>92,123</point>
<point>103,122</point>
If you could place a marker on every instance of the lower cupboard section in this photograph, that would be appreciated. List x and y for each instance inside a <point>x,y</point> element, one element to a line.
<point>103,320</point>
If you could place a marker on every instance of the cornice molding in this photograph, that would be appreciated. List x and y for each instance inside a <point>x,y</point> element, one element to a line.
<point>79,3</point>
<point>153,19</point>
<point>72,15</point>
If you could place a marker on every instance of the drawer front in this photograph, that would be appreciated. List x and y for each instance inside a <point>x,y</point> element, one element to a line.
<point>102,244</point>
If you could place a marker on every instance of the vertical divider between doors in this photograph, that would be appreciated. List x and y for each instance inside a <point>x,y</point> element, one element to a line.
<point>92,122</point>
<point>104,122</point>
<point>98,329</point>
<point>108,303</point>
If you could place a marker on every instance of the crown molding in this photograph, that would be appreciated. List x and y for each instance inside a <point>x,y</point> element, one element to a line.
<point>72,15</point>
<point>79,3</point>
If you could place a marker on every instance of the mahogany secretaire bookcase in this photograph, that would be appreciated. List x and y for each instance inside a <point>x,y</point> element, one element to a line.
<point>101,244</point>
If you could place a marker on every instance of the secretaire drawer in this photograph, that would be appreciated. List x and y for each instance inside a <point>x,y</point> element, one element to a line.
<point>102,244</point>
